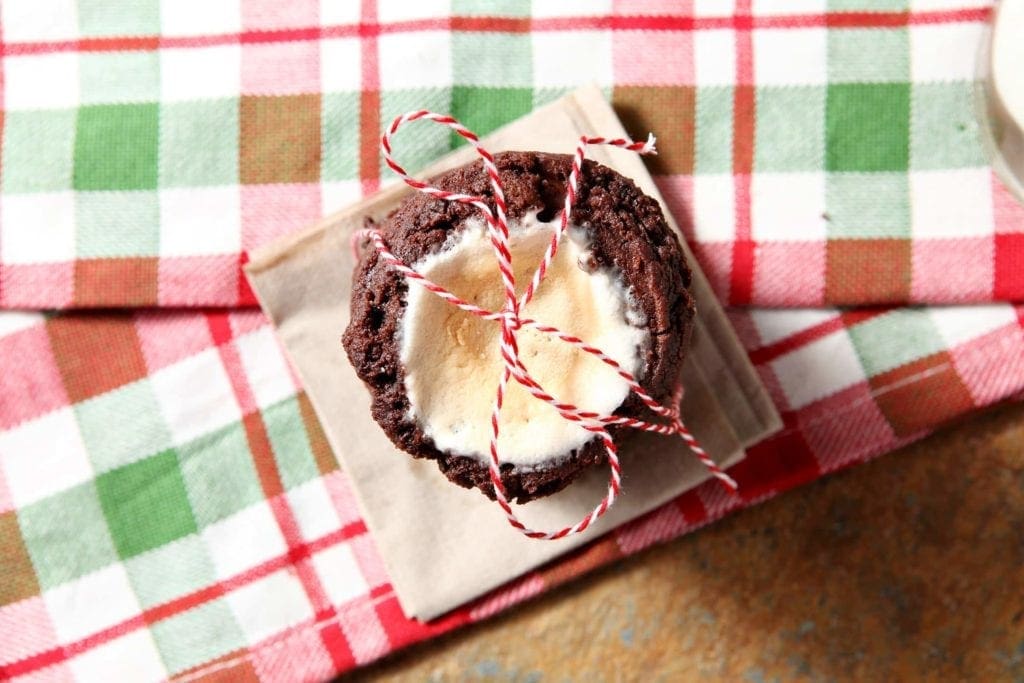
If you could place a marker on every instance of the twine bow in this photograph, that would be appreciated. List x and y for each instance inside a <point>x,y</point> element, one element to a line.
<point>511,321</point>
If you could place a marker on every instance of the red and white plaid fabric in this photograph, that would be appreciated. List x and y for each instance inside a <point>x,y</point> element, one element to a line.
<point>168,505</point>
<point>171,138</point>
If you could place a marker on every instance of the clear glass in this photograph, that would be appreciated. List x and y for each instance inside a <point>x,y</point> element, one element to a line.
<point>1002,137</point>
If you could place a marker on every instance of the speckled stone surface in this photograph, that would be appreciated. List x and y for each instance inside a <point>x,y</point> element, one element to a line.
<point>910,567</point>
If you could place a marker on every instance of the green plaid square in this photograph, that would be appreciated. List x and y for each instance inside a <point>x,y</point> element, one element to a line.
<point>66,535</point>
<point>872,55</point>
<point>292,452</point>
<point>889,341</point>
<point>422,143</point>
<point>790,133</point>
<point>170,571</point>
<point>145,504</point>
<point>38,150</point>
<point>141,430</point>
<point>867,126</point>
<point>219,474</point>
<point>714,131</point>
<point>199,143</point>
<point>116,147</point>
<point>113,224</point>
<point>944,128</point>
<point>198,635</point>
<point>119,77</point>
<point>340,145</point>
<point>491,8</point>
<point>484,109</point>
<point>867,205</point>
<point>97,18</point>
<point>488,59</point>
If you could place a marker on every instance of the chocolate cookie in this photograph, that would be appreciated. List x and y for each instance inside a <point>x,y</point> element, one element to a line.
<point>620,282</point>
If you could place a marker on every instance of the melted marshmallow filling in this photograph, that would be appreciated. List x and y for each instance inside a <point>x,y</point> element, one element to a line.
<point>452,359</point>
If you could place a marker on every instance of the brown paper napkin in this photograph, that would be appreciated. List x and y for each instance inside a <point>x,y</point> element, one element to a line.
<point>444,545</point>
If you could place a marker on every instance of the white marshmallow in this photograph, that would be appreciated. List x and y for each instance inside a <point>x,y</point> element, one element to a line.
<point>452,359</point>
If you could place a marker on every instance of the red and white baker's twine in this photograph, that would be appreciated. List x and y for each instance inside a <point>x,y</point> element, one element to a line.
<point>511,322</point>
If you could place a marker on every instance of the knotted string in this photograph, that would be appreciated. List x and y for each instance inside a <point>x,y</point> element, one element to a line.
<point>511,321</point>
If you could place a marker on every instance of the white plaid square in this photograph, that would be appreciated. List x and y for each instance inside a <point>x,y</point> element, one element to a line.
<point>119,77</point>
<point>776,216</point>
<point>944,52</point>
<point>713,8</point>
<point>339,573</point>
<point>37,227</point>
<point>339,13</point>
<point>197,73</point>
<point>339,194</point>
<point>714,56</point>
<point>714,207</point>
<point>959,324</point>
<point>951,204</point>
<point>390,11</point>
<point>48,81</point>
<point>15,321</point>
<point>133,657</point>
<point>340,64</point>
<point>181,234</point>
<point>775,325</point>
<point>31,21</point>
<point>935,5</point>
<point>415,60</point>
<point>569,8</point>
<point>270,605</point>
<point>195,396</point>
<point>819,369</point>
<point>314,512</point>
<point>244,540</point>
<point>791,56</point>
<point>90,604</point>
<point>44,456</point>
<point>765,8</point>
<point>562,59</point>
<point>265,367</point>
<point>200,17</point>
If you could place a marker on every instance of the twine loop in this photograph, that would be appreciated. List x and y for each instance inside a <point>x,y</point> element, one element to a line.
<point>511,320</point>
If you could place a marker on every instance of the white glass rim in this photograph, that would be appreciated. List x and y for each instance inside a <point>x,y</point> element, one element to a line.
<point>998,131</point>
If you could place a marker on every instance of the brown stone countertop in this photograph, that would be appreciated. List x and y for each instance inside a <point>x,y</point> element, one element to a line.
<point>910,567</point>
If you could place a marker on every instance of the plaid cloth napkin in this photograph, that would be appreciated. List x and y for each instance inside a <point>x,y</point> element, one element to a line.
<point>825,157</point>
<point>168,505</point>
